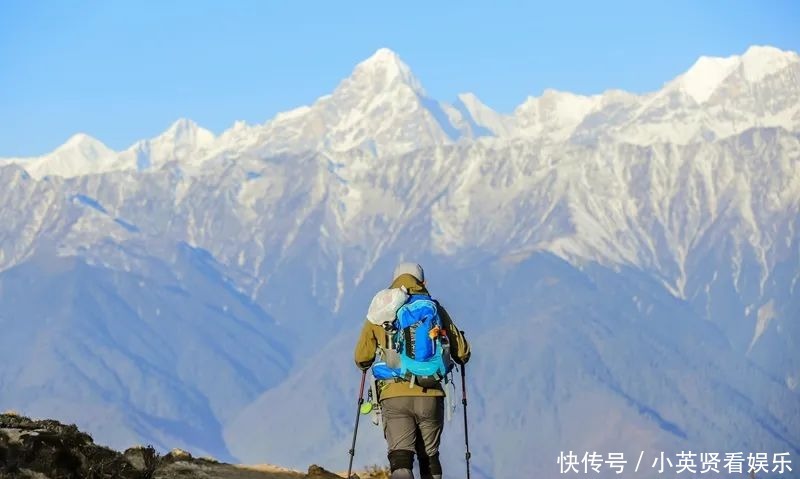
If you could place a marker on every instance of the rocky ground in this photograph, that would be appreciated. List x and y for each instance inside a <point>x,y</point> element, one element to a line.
<point>46,449</point>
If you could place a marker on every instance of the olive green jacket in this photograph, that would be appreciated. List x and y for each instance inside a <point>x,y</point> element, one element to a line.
<point>374,336</point>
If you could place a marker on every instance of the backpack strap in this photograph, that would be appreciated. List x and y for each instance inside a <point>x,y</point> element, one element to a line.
<point>416,296</point>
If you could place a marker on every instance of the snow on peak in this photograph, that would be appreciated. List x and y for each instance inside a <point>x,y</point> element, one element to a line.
<point>84,143</point>
<point>87,147</point>
<point>556,104</point>
<point>571,102</point>
<point>81,154</point>
<point>385,69</point>
<point>380,107</point>
<point>555,114</point>
<point>383,55</point>
<point>182,125</point>
<point>185,130</point>
<point>759,62</point>
<point>180,142</point>
<point>703,78</point>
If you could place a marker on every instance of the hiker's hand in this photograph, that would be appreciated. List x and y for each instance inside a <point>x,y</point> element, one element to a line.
<point>461,361</point>
<point>363,366</point>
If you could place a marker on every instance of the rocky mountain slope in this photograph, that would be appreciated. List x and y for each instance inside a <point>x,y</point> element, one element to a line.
<point>48,449</point>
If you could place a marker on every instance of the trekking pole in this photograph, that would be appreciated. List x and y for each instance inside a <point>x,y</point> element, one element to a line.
<point>358,416</point>
<point>467,455</point>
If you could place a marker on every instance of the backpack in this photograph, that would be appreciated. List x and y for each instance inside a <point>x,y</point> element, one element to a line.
<point>418,350</point>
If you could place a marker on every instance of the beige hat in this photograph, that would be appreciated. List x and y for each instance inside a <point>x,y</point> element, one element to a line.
<point>413,269</point>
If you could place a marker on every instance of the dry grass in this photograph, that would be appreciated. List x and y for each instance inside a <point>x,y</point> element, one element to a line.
<point>377,472</point>
<point>269,468</point>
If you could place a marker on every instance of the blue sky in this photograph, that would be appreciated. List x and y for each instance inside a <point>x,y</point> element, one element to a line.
<point>125,70</point>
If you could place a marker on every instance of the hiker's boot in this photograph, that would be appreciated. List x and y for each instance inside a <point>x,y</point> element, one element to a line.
<point>401,463</point>
<point>429,466</point>
<point>403,474</point>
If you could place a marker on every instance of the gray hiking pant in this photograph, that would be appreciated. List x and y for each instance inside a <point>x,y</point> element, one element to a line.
<point>414,424</point>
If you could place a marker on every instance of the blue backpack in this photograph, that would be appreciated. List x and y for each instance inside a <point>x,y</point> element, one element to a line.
<point>418,351</point>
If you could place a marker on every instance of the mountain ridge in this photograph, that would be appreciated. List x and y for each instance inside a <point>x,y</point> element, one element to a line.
<point>382,108</point>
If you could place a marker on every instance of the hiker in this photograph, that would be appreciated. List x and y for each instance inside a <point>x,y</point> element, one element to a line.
<point>413,409</point>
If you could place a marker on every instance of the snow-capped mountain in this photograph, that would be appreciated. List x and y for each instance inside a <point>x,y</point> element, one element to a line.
<point>635,258</point>
<point>83,155</point>
<point>182,142</point>
<point>382,108</point>
<point>718,98</point>
<point>80,155</point>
